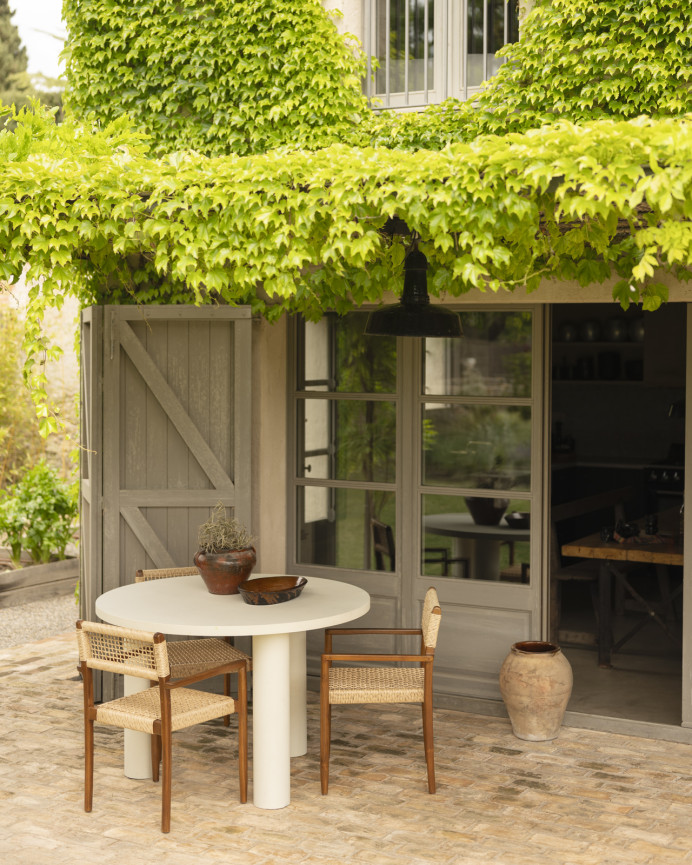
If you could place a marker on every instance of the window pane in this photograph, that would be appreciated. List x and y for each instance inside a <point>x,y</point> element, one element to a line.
<point>335,356</point>
<point>479,546</point>
<point>481,447</point>
<point>347,440</point>
<point>407,37</point>
<point>492,359</point>
<point>335,526</point>
<point>498,32</point>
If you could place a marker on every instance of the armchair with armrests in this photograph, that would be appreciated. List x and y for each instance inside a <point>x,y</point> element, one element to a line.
<point>159,710</point>
<point>190,657</point>
<point>386,683</point>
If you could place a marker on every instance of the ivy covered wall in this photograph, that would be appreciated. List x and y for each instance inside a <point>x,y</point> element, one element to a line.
<point>215,76</point>
<point>247,169</point>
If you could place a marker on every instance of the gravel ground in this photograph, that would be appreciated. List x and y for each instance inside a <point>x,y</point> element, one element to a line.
<point>27,623</point>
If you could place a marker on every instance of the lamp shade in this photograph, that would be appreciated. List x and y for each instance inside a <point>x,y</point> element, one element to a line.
<point>414,315</point>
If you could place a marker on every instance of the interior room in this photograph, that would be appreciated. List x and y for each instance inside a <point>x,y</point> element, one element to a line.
<point>618,382</point>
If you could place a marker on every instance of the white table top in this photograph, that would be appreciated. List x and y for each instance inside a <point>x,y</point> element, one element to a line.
<point>183,605</point>
<point>462,525</point>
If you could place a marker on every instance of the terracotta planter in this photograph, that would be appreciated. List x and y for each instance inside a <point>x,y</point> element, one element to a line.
<point>536,684</point>
<point>224,572</point>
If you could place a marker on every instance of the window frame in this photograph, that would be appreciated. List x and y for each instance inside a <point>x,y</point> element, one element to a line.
<point>451,73</point>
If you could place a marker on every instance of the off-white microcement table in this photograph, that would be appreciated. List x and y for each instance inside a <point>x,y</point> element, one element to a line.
<point>182,605</point>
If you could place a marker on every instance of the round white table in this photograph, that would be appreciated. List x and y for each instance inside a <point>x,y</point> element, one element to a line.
<point>182,605</point>
<point>486,539</point>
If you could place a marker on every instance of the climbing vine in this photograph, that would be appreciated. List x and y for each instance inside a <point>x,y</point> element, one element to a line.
<point>186,193</point>
<point>216,76</point>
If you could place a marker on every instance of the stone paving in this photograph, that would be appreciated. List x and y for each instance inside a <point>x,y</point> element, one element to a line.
<point>586,798</point>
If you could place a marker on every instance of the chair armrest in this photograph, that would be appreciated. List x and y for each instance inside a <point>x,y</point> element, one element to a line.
<point>427,659</point>
<point>231,667</point>
<point>349,631</point>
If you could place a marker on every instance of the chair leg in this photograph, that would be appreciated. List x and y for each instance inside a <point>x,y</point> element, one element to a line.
<point>428,744</point>
<point>325,730</point>
<point>155,756</point>
<point>88,764</point>
<point>227,693</point>
<point>166,747</point>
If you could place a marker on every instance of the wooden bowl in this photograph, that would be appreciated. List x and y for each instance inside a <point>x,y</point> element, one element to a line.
<point>271,590</point>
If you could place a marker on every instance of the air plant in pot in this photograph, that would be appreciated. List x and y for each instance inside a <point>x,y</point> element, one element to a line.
<point>226,555</point>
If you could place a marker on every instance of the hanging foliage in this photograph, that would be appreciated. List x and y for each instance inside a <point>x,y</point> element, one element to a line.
<point>103,208</point>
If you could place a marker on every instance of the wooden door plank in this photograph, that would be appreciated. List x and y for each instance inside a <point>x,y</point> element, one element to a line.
<point>174,409</point>
<point>148,538</point>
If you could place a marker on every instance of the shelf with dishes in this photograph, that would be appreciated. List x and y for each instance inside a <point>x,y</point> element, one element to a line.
<point>599,351</point>
<point>598,362</point>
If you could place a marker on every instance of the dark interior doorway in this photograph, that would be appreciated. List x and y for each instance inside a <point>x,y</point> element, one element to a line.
<point>617,397</point>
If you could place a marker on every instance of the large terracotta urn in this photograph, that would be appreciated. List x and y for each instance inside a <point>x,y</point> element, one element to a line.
<point>223,572</point>
<point>536,684</point>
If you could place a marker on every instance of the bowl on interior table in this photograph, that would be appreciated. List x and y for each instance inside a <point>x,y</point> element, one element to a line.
<point>271,590</point>
<point>518,520</point>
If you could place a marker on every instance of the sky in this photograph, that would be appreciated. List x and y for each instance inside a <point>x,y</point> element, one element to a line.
<point>39,22</point>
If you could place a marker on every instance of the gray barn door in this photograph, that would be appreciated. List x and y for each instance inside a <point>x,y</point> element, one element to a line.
<point>91,459</point>
<point>167,422</point>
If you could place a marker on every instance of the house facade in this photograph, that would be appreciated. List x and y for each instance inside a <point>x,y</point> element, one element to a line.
<point>319,435</point>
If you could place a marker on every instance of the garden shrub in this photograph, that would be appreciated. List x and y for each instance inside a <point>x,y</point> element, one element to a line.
<point>38,514</point>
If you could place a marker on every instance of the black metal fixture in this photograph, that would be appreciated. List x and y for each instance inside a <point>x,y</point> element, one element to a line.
<point>414,315</point>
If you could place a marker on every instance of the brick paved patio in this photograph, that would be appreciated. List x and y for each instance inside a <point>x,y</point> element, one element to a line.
<point>585,799</point>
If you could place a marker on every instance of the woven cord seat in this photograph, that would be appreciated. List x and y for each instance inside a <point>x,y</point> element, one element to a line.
<point>190,657</point>
<point>381,684</point>
<point>159,710</point>
<point>376,685</point>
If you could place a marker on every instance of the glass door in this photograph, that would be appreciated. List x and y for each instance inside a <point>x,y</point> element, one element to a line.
<point>417,463</point>
<point>479,418</point>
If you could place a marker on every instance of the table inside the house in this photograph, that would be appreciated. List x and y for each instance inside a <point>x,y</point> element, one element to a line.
<point>183,606</point>
<point>487,539</point>
<point>662,550</point>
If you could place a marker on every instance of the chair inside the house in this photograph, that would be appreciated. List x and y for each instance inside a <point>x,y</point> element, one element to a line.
<point>601,509</point>
<point>159,710</point>
<point>190,657</point>
<point>387,682</point>
<point>384,547</point>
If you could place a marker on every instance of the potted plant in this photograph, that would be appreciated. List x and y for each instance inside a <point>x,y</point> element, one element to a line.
<point>226,555</point>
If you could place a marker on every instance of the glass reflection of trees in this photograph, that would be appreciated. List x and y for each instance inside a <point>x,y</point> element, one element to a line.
<point>357,433</point>
<point>480,444</point>
<point>366,432</point>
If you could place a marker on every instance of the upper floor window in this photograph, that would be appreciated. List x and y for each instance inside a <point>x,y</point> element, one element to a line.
<point>430,50</point>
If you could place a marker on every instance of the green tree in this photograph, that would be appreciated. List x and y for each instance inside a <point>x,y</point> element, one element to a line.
<point>13,59</point>
<point>17,86</point>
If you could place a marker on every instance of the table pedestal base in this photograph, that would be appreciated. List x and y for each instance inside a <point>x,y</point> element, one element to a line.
<point>137,746</point>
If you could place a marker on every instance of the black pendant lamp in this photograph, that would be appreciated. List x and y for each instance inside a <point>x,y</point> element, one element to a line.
<point>414,315</point>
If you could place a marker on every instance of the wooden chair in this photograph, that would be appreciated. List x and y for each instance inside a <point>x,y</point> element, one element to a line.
<point>610,505</point>
<point>381,684</point>
<point>383,545</point>
<point>190,657</point>
<point>158,710</point>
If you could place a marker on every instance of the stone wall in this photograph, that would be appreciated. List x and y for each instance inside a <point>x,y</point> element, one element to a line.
<point>63,375</point>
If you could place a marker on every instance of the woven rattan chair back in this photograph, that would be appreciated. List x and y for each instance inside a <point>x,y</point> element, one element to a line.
<point>188,657</point>
<point>163,573</point>
<point>384,680</point>
<point>121,650</point>
<point>430,620</point>
<point>155,710</point>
